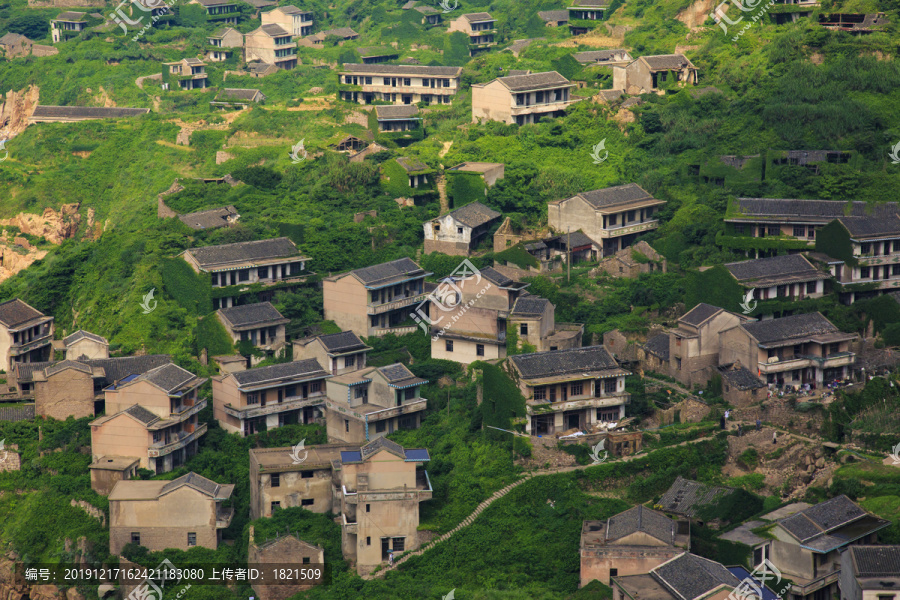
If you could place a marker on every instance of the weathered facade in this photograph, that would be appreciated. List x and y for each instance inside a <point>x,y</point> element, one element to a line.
<point>633,261</point>
<point>788,277</point>
<point>399,84</point>
<point>296,21</point>
<point>83,344</point>
<point>522,99</point>
<point>655,74</point>
<point>271,44</point>
<point>694,345</point>
<point>26,334</point>
<point>109,470</point>
<point>188,74</point>
<point>459,232</point>
<point>283,550</point>
<point>260,324</point>
<point>870,572</point>
<point>480,27</point>
<point>340,352</point>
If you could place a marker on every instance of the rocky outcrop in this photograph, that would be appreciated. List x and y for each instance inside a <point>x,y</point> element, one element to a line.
<point>16,110</point>
<point>696,14</point>
<point>51,225</point>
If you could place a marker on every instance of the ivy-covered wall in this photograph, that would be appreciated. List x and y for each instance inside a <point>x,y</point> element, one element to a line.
<point>714,286</point>
<point>834,240</point>
<point>464,188</point>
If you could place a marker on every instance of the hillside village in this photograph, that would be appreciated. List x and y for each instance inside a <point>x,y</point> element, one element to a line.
<point>552,299</point>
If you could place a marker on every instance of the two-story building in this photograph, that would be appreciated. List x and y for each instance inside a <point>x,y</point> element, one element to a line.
<point>260,324</point>
<point>340,352</point>
<point>569,389</point>
<point>399,84</point>
<point>615,216</point>
<point>630,543</point>
<point>296,21</point>
<point>534,320</point>
<point>271,44</point>
<point>397,119</point>
<point>272,263</point>
<point>806,546</point>
<point>254,400</point>
<point>67,25</point>
<point>26,334</point>
<point>375,300</point>
<point>522,99</point>
<point>84,344</point>
<point>188,74</point>
<point>285,478</point>
<point>655,74</point>
<point>225,11</point>
<point>373,402</point>
<point>222,43</point>
<point>460,231</point>
<point>685,577</point>
<point>182,513</point>
<point>380,486</point>
<point>870,572</point>
<point>480,27</point>
<point>281,550</point>
<point>785,277</point>
<point>152,417</point>
<point>794,350</point>
<point>584,15</point>
<point>490,173</point>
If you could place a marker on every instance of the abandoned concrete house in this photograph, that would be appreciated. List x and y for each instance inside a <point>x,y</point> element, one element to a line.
<point>253,400</point>
<point>480,27</point>
<point>869,572</point>
<point>685,577</point>
<point>340,352</point>
<point>522,99</point>
<point>211,219</point>
<point>152,417</point>
<point>397,119</point>
<point>460,231</point>
<point>633,261</point>
<point>223,42</point>
<point>655,74</point>
<point>26,334</point>
<point>294,20</point>
<point>569,389</point>
<point>281,550</point>
<point>399,84</point>
<point>786,277</point>
<point>271,44</point>
<point>260,324</point>
<point>187,74</point>
<point>581,12</point>
<point>83,345</point>
<point>180,514</point>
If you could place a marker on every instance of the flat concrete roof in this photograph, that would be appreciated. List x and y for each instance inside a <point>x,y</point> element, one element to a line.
<point>317,457</point>
<point>743,534</point>
<point>786,511</point>
<point>137,490</point>
<point>114,463</point>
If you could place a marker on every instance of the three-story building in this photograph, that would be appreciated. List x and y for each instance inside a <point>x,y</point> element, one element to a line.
<point>398,84</point>
<point>522,99</point>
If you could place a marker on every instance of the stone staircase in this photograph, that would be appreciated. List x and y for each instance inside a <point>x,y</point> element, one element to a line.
<point>441,184</point>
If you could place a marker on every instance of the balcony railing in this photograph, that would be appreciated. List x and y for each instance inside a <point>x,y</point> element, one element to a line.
<point>349,526</point>
<point>394,304</point>
<point>183,412</point>
<point>158,449</point>
<point>617,230</point>
<point>224,516</point>
<point>271,408</point>
<point>799,361</point>
<point>32,344</point>
<point>394,411</point>
<point>394,330</point>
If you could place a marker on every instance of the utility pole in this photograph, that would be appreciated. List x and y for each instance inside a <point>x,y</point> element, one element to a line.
<point>569,255</point>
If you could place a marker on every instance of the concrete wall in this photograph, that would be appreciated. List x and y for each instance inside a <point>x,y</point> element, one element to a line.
<point>121,436</point>
<point>225,391</point>
<point>141,392</point>
<point>287,550</point>
<point>66,393</point>
<point>465,351</point>
<point>345,302</point>
<point>574,214</point>
<point>103,480</point>
<point>491,101</point>
<point>164,523</point>
<point>293,488</point>
<point>87,347</point>
<point>626,559</point>
<point>737,345</point>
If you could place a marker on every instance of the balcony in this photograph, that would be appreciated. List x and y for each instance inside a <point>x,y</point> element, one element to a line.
<point>533,407</point>
<point>224,516</point>
<point>393,330</point>
<point>158,449</point>
<point>349,526</point>
<point>542,107</point>
<point>389,413</point>
<point>802,361</point>
<point>881,259</point>
<point>271,408</point>
<point>619,230</point>
<point>377,309</point>
<point>422,491</point>
<point>182,412</point>
<point>34,343</point>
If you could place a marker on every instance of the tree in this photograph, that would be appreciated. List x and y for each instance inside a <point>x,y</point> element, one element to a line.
<point>33,27</point>
<point>456,49</point>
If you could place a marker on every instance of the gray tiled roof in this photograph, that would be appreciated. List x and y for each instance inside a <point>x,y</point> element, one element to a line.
<point>686,496</point>
<point>238,252</point>
<point>298,369</point>
<point>875,561</point>
<point>785,328</point>
<point>822,518</point>
<point>141,414</point>
<point>275,30</point>
<point>700,314</point>
<point>86,112</point>
<point>123,366</point>
<point>341,342</point>
<point>15,312</point>
<point>70,16</point>
<point>400,376</point>
<point>742,378</point>
<point>232,94</point>
<point>862,227</point>
<point>385,273</point>
<point>590,3</point>
<point>403,111</point>
<point>535,81</point>
<point>819,211</point>
<point>612,196</point>
<point>81,334</point>
<point>691,576</point>
<point>251,314</point>
<point>382,443</point>
<point>68,364</point>
<point>475,214</point>
<point>424,70</point>
<point>292,10</point>
<point>787,265</point>
<point>658,345</point>
<point>170,377</point>
<point>562,362</point>
<point>11,39</point>
<point>426,10</point>
<point>642,519</point>
<point>370,51</point>
<point>342,32</point>
<point>554,15</point>
<point>598,55</point>
<point>478,17</point>
<point>198,482</point>
<point>209,219</point>
<point>667,61</point>
<point>496,277</point>
<point>519,45</point>
<point>412,165</point>
<point>529,306</point>
<point>577,239</point>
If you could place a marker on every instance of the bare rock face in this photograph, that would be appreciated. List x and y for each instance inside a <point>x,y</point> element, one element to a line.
<point>222,156</point>
<point>17,110</point>
<point>51,225</point>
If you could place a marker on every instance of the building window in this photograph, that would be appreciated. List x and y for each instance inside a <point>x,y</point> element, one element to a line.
<point>290,391</point>
<point>307,502</point>
<point>349,361</point>
<point>523,329</point>
<point>276,479</point>
<point>368,541</point>
<point>610,385</point>
<point>135,537</point>
<point>479,349</point>
<point>306,474</point>
<point>276,505</point>
<point>346,426</point>
<point>157,436</point>
<point>244,275</point>
<point>407,81</point>
<point>612,220</point>
<point>262,272</point>
<point>252,398</point>
<point>380,426</point>
<point>448,345</point>
<point>677,363</point>
<point>864,273</point>
<point>540,393</point>
<point>360,392</point>
<point>799,230</point>
<point>192,539</point>
<point>577,389</point>
<point>810,287</point>
<point>315,386</point>
<point>613,572</point>
<point>739,229</point>
<point>410,394</point>
<point>459,230</point>
<point>774,230</point>
<point>368,508</point>
<point>306,560</point>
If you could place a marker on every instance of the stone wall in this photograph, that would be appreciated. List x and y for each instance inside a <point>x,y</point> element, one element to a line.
<point>778,411</point>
